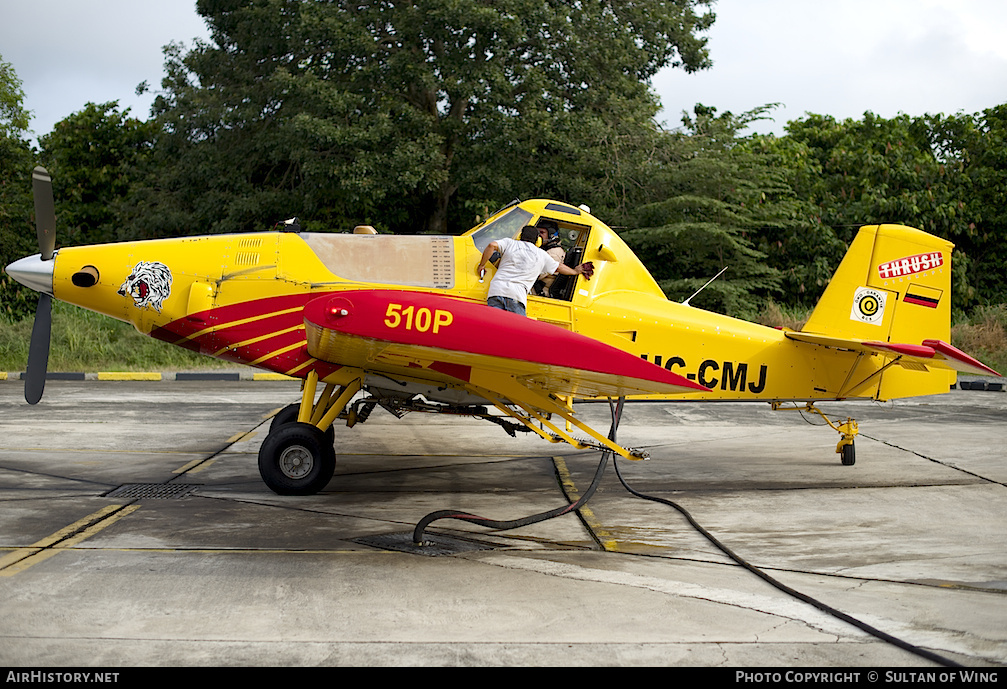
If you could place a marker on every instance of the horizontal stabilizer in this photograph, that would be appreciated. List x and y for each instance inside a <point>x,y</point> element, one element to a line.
<point>935,353</point>
<point>957,359</point>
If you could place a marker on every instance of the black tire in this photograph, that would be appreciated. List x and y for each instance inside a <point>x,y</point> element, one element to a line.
<point>289,415</point>
<point>296,459</point>
<point>286,415</point>
<point>849,455</point>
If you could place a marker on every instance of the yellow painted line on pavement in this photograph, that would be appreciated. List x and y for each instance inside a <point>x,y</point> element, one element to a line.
<point>190,466</point>
<point>202,466</point>
<point>126,375</point>
<point>272,376</point>
<point>22,558</point>
<point>606,540</point>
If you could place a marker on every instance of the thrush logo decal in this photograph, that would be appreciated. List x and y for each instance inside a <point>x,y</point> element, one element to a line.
<point>911,265</point>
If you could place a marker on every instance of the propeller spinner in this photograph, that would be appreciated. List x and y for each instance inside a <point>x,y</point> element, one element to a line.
<point>36,272</point>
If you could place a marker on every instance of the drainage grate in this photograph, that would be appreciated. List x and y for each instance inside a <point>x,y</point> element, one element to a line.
<point>433,544</point>
<point>155,491</point>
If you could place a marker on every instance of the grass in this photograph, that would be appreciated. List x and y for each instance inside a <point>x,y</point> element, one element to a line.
<point>777,316</point>
<point>984,336</point>
<point>90,342</point>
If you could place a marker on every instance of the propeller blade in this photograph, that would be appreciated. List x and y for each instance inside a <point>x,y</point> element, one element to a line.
<point>38,350</point>
<point>45,212</point>
<point>45,227</point>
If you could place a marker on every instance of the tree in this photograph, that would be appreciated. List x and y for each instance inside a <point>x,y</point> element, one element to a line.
<point>904,170</point>
<point>400,113</point>
<point>725,204</point>
<point>13,117</point>
<point>972,149</point>
<point>94,156</point>
<point>790,231</point>
<point>17,234</point>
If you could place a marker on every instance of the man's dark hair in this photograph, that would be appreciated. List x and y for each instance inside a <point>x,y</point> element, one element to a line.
<point>529,233</point>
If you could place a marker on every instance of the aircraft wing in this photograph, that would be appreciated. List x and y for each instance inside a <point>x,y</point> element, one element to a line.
<point>431,337</point>
<point>935,353</point>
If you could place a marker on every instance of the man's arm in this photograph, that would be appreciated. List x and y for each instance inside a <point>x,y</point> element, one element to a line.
<point>487,252</point>
<point>585,269</point>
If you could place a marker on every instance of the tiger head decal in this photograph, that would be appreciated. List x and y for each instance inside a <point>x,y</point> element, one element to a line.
<point>149,284</point>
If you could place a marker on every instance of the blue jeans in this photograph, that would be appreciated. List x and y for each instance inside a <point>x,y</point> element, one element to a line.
<point>507,304</point>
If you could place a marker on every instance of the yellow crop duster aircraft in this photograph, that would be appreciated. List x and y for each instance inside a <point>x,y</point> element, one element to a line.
<point>401,322</point>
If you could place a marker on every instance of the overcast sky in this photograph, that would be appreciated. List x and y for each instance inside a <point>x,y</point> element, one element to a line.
<point>838,58</point>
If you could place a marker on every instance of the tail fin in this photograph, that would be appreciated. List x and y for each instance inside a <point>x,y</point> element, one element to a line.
<point>893,285</point>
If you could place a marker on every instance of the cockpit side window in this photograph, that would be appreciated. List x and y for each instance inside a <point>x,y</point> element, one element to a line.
<point>571,238</point>
<point>506,226</point>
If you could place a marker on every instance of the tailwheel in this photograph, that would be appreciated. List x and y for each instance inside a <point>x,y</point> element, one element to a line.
<point>848,429</point>
<point>297,459</point>
<point>848,454</point>
<point>847,451</point>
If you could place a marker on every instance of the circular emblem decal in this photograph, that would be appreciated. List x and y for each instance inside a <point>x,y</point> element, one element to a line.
<point>868,306</point>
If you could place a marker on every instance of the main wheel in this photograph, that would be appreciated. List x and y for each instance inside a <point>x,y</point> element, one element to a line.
<point>296,459</point>
<point>849,455</point>
<point>289,415</point>
<point>286,415</point>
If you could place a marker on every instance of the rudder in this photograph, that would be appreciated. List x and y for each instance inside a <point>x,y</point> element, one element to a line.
<point>893,285</point>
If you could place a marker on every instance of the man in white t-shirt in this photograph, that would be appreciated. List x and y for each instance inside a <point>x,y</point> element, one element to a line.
<point>521,262</point>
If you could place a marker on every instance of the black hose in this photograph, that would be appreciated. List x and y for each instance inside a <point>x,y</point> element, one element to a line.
<point>535,518</point>
<point>616,410</point>
<point>786,589</point>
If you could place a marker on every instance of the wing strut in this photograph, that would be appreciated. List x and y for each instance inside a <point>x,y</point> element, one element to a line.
<point>501,390</point>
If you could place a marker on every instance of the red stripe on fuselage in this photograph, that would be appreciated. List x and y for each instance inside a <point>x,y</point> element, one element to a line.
<point>211,331</point>
<point>208,332</point>
<point>224,317</point>
<point>254,351</point>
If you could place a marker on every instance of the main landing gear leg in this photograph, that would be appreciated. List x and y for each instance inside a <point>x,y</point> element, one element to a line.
<point>848,429</point>
<point>297,457</point>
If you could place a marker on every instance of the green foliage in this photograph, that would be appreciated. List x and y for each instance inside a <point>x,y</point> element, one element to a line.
<point>942,175</point>
<point>94,158</point>
<point>790,231</point>
<point>17,234</point>
<point>984,335</point>
<point>873,171</point>
<point>87,341</point>
<point>724,203</point>
<point>13,117</point>
<point>973,151</point>
<point>402,115</point>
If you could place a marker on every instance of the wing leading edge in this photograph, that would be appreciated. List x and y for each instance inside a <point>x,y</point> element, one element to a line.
<point>429,336</point>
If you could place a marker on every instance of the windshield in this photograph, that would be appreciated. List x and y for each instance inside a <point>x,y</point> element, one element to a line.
<point>506,226</point>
